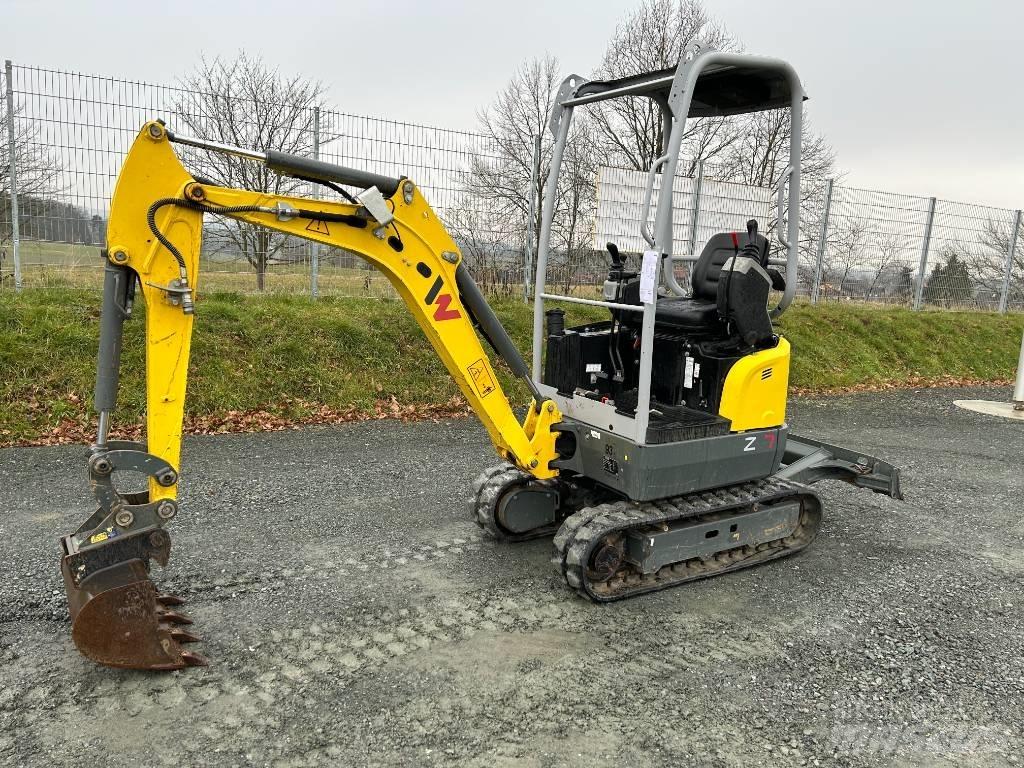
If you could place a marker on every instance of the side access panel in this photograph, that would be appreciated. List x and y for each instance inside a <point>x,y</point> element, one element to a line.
<point>808,461</point>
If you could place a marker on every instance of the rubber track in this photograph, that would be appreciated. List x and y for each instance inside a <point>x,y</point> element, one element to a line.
<point>582,532</point>
<point>488,488</point>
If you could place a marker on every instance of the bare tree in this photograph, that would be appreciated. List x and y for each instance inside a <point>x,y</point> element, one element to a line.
<point>753,149</point>
<point>576,205</point>
<point>654,36</point>
<point>887,249</point>
<point>760,157</point>
<point>246,103</point>
<point>499,178</point>
<point>484,240</point>
<point>843,255</point>
<point>988,263</point>
<point>500,174</point>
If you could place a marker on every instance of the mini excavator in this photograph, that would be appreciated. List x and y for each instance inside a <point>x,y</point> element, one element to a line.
<point>655,450</point>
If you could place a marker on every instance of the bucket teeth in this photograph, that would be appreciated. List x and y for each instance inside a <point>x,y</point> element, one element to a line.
<point>181,636</point>
<point>169,600</point>
<point>173,617</point>
<point>194,659</point>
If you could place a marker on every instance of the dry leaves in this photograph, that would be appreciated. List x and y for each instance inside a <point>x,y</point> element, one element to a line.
<point>294,413</point>
<point>304,413</point>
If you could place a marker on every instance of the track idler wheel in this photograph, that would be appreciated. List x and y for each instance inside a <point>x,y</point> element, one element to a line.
<point>608,558</point>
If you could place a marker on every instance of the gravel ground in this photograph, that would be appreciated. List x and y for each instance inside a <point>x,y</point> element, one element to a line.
<point>355,617</point>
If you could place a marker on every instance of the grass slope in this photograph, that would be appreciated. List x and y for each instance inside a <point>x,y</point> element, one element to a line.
<point>289,356</point>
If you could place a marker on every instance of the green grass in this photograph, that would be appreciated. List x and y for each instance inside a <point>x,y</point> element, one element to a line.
<point>848,346</point>
<point>287,355</point>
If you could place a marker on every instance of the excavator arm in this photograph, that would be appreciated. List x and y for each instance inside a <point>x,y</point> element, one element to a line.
<point>154,237</point>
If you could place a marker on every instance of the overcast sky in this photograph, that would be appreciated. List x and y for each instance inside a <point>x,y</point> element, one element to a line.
<point>916,96</point>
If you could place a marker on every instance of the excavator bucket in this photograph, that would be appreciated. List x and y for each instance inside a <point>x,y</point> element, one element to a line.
<point>120,620</point>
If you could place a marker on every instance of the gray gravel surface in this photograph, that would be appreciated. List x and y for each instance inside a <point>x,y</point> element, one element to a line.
<point>354,616</point>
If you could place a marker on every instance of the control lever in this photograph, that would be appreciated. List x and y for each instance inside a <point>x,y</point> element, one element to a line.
<point>613,251</point>
<point>751,250</point>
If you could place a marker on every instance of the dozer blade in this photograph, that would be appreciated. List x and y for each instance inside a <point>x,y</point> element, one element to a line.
<point>118,619</point>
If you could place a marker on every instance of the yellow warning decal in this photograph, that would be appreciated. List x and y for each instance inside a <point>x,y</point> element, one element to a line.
<point>481,377</point>
<point>110,533</point>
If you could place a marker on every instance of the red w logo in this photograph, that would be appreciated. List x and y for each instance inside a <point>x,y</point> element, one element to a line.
<point>442,312</point>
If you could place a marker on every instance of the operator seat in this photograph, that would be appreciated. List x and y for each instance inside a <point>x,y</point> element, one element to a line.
<point>700,310</point>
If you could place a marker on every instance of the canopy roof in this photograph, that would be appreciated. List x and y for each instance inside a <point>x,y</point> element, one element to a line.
<point>721,89</point>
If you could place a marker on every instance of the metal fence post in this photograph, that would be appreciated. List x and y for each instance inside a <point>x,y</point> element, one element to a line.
<point>919,296</point>
<point>696,207</point>
<point>816,286</point>
<point>531,224</point>
<point>1010,253</point>
<point>314,266</point>
<point>1018,382</point>
<point>13,158</point>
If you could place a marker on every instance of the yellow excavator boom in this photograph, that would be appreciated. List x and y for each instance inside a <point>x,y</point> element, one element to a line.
<point>154,237</point>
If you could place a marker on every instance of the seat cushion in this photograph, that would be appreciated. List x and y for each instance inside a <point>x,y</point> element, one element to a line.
<point>687,314</point>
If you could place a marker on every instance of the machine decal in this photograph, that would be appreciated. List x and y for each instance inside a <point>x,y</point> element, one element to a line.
<point>750,444</point>
<point>434,296</point>
<point>320,227</point>
<point>109,533</point>
<point>610,465</point>
<point>442,312</point>
<point>434,290</point>
<point>481,377</point>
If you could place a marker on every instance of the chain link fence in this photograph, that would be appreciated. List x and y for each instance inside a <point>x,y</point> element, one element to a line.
<point>64,136</point>
<point>917,251</point>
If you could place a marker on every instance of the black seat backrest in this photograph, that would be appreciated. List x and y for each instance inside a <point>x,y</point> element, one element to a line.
<point>719,249</point>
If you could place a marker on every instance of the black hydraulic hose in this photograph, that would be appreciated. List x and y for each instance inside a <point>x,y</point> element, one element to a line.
<point>205,207</point>
<point>345,218</point>
<point>330,185</point>
<point>193,205</point>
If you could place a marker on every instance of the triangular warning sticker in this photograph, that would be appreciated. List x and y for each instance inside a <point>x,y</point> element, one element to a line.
<point>318,226</point>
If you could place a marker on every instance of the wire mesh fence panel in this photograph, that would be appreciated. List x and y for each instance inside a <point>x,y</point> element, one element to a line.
<point>620,214</point>
<point>726,206</point>
<point>72,131</point>
<point>620,210</point>
<point>872,247</point>
<point>967,256</point>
